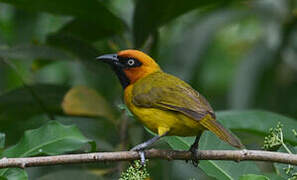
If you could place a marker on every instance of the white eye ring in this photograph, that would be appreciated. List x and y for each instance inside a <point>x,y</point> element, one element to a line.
<point>131,62</point>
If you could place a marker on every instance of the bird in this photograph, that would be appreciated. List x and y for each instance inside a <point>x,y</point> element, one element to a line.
<point>163,103</point>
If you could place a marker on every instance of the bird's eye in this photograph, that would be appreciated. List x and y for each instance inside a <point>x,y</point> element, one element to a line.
<point>131,62</point>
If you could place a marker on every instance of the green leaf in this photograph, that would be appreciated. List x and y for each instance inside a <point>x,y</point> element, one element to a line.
<point>257,122</point>
<point>2,141</point>
<point>85,51</point>
<point>30,51</point>
<point>85,101</point>
<point>86,54</point>
<point>253,177</point>
<point>90,30</point>
<point>96,129</point>
<point>273,175</point>
<point>20,104</point>
<point>24,25</point>
<point>89,10</point>
<point>151,14</point>
<point>218,169</point>
<point>282,169</point>
<point>73,173</point>
<point>77,47</point>
<point>50,139</point>
<point>22,100</point>
<point>13,174</point>
<point>93,19</point>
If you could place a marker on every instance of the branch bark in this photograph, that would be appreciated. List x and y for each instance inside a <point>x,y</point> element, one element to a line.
<point>233,155</point>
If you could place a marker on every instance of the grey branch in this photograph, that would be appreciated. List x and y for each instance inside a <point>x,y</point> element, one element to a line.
<point>233,155</point>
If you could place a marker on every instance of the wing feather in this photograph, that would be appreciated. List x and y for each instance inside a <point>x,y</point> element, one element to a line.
<point>169,93</point>
<point>163,91</point>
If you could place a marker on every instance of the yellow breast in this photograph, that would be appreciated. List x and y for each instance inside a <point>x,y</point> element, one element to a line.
<point>161,121</point>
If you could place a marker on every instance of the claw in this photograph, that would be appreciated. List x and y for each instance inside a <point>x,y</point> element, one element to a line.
<point>142,157</point>
<point>195,160</point>
<point>141,154</point>
<point>140,149</point>
<point>194,150</point>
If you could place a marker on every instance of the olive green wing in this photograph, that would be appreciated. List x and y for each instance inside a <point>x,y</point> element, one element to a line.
<point>164,91</point>
<point>161,90</point>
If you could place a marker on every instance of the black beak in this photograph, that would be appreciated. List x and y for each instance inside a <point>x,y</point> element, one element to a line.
<point>111,59</point>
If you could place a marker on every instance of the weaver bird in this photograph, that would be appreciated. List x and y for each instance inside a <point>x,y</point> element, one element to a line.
<point>164,103</point>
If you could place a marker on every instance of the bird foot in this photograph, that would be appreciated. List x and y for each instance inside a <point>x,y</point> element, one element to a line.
<point>194,151</point>
<point>142,157</point>
<point>140,149</point>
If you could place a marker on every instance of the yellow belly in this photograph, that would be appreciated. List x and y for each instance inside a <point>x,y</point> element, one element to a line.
<point>159,121</point>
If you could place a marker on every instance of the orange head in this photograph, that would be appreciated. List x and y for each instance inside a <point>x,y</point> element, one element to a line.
<point>130,65</point>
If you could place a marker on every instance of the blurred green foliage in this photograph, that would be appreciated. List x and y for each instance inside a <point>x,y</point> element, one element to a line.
<point>239,54</point>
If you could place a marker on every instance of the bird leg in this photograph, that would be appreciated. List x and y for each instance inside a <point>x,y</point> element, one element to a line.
<point>140,147</point>
<point>147,143</point>
<point>194,149</point>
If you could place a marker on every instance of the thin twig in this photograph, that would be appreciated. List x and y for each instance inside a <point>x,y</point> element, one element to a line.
<point>233,155</point>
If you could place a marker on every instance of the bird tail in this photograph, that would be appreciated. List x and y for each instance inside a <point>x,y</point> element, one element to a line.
<point>215,127</point>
